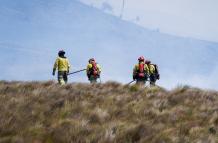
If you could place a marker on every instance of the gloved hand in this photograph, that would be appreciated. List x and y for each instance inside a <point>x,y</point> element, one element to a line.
<point>53,73</point>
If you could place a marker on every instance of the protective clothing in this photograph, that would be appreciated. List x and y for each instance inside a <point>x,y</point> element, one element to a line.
<point>63,66</point>
<point>62,77</point>
<point>93,71</point>
<point>151,69</point>
<point>140,72</point>
<point>154,74</point>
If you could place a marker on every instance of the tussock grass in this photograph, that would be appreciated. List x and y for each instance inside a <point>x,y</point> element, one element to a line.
<point>45,112</point>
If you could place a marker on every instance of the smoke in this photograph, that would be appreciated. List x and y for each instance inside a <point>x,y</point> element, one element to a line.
<point>84,32</point>
<point>205,81</point>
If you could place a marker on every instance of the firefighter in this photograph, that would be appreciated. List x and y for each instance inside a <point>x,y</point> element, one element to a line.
<point>141,71</point>
<point>93,71</point>
<point>153,72</point>
<point>63,66</point>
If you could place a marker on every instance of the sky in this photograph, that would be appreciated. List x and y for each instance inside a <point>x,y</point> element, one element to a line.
<point>32,32</point>
<point>188,18</point>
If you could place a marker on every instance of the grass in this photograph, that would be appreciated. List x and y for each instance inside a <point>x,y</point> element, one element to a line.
<point>45,112</point>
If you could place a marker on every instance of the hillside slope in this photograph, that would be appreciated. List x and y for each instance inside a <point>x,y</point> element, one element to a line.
<point>34,112</point>
<point>33,31</point>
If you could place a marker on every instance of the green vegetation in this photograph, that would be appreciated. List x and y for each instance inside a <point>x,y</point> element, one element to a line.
<point>34,112</point>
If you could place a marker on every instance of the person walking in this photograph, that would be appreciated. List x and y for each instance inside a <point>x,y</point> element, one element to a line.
<point>93,71</point>
<point>63,66</point>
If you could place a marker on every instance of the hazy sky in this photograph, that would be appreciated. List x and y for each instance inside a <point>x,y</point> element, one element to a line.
<point>192,18</point>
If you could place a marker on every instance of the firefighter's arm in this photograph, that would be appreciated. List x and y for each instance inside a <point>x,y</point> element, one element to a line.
<point>55,67</point>
<point>89,66</point>
<point>134,72</point>
<point>87,69</point>
<point>147,69</point>
<point>99,69</point>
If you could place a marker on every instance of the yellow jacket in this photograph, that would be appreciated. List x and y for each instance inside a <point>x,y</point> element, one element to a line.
<point>89,67</point>
<point>136,69</point>
<point>151,69</point>
<point>62,64</point>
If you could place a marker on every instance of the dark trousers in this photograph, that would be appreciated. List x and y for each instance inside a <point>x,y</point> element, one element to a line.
<point>93,79</point>
<point>62,77</point>
<point>141,81</point>
<point>153,79</point>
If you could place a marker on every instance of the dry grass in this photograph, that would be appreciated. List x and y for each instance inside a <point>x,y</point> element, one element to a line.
<point>34,112</point>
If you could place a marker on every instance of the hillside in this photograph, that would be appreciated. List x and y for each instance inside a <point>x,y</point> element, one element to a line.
<point>34,112</point>
<point>33,31</point>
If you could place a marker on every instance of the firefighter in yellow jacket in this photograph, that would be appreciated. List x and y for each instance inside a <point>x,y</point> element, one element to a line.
<point>63,66</point>
<point>141,71</point>
<point>153,73</point>
<point>93,70</point>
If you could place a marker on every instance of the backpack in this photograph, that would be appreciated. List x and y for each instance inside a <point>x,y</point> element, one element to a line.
<point>94,70</point>
<point>141,71</point>
<point>156,71</point>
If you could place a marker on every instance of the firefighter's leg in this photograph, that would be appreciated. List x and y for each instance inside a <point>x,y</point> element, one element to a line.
<point>140,82</point>
<point>93,79</point>
<point>152,80</point>
<point>65,77</point>
<point>61,78</point>
<point>152,83</point>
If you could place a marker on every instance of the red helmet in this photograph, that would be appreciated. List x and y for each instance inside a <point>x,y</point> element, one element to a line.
<point>148,62</point>
<point>141,58</point>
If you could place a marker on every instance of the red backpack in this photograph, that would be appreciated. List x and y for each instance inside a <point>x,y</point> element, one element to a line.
<point>141,70</point>
<point>94,69</point>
